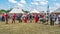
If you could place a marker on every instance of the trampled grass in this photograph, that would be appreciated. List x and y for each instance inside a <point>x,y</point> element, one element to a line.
<point>28,28</point>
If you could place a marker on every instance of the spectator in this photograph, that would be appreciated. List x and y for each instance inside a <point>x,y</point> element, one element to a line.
<point>13,18</point>
<point>3,17</point>
<point>19,18</point>
<point>52,19</point>
<point>36,18</point>
<point>6,18</point>
<point>25,18</point>
<point>59,19</point>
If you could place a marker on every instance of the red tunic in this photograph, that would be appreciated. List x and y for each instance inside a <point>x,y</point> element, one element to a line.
<point>36,18</point>
<point>26,19</point>
<point>6,16</point>
<point>14,16</point>
<point>41,16</point>
<point>3,14</point>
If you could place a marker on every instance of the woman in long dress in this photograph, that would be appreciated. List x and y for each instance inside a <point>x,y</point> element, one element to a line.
<point>36,18</point>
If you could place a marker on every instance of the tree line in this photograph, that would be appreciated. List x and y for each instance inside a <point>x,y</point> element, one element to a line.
<point>7,11</point>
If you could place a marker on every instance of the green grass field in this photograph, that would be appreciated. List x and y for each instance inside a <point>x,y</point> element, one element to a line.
<point>28,28</point>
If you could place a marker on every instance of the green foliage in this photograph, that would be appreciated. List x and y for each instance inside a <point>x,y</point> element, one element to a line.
<point>1,11</point>
<point>25,11</point>
<point>5,11</point>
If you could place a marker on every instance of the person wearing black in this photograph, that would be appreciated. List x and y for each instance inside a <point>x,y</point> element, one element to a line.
<point>19,18</point>
<point>30,18</point>
<point>52,19</point>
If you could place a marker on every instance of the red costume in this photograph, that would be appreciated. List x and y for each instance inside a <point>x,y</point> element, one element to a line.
<point>3,15</point>
<point>14,16</point>
<point>26,19</point>
<point>6,18</point>
<point>36,18</point>
<point>41,16</point>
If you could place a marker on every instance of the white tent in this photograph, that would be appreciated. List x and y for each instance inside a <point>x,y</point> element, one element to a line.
<point>16,10</point>
<point>42,12</point>
<point>56,11</point>
<point>34,11</point>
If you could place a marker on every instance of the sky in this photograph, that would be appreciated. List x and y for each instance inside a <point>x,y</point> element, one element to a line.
<point>40,5</point>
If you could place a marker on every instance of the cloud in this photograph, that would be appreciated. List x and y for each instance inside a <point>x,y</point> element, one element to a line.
<point>57,4</point>
<point>36,0</point>
<point>40,5</point>
<point>19,4</point>
<point>54,0</point>
<point>23,1</point>
<point>34,3</point>
<point>39,0</point>
<point>43,2</point>
<point>12,1</point>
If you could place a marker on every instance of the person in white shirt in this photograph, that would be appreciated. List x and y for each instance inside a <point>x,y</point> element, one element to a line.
<point>59,19</point>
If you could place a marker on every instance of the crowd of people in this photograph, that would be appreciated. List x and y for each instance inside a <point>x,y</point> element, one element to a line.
<point>32,18</point>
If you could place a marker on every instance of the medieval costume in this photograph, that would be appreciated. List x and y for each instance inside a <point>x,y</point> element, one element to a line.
<point>3,17</point>
<point>13,18</point>
<point>36,18</point>
<point>6,18</point>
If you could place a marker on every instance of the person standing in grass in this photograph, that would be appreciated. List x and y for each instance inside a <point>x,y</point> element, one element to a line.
<point>20,20</point>
<point>3,17</point>
<point>52,19</point>
<point>6,18</point>
<point>13,18</point>
<point>36,18</point>
<point>59,19</point>
<point>42,18</point>
<point>30,18</point>
<point>47,19</point>
<point>25,19</point>
<point>19,17</point>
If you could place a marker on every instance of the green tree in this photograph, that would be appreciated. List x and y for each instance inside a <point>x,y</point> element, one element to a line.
<point>25,11</point>
<point>1,11</point>
<point>7,11</point>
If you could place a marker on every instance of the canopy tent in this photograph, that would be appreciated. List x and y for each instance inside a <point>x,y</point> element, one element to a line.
<point>34,11</point>
<point>42,12</point>
<point>16,10</point>
<point>57,11</point>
